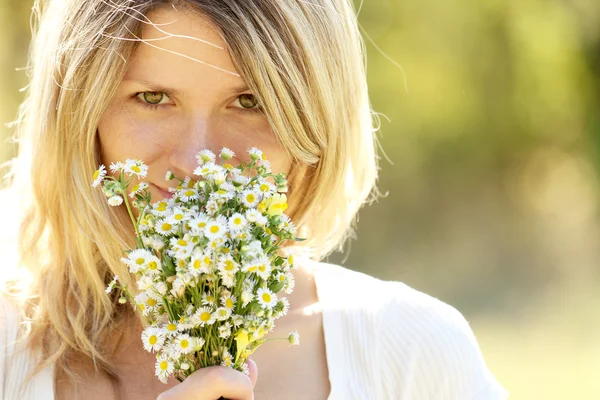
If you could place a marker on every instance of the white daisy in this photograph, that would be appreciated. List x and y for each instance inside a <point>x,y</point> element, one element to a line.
<point>247,297</point>
<point>228,301</point>
<point>140,187</point>
<point>227,358</point>
<point>223,313</point>
<point>226,154</point>
<point>178,216</point>
<point>266,298</point>
<point>208,299</point>
<point>205,316</point>
<point>205,156</point>
<point>216,228</point>
<point>263,267</point>
<point>165,227</point>
<point>153,339</point>
<point>184,344</point>
<point>255,154</point>
<point>137,259</point>
<point>164,368</point>
<point>135,167</point>
<point>290,282</point>
<point>117,166</point>
<point>115,201</point>
<point>112,284</point>
<point>237,222</point>
<point>99,176</point>
<point>198,343</point>
<point>241,180</point>
<point>188,194</point>
<point>250,198</point>
<point>294,338</point>
<point>225,330</point>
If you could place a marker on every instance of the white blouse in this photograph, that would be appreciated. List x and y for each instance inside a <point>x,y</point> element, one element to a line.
<point>384,341</point>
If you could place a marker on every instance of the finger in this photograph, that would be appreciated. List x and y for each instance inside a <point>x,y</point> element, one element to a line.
<point>253,371</point>
<point>210,383</point>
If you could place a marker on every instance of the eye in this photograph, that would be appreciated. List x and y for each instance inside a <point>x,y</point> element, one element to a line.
<point>151,99</point>
<point>249,103</point>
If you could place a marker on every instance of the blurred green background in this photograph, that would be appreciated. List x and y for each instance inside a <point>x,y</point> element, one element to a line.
<point>491,131</point>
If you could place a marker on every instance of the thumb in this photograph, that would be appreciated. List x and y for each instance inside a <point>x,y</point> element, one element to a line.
<point>253,371</point>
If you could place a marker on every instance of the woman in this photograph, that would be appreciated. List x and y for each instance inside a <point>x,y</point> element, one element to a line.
<point>159,81</point>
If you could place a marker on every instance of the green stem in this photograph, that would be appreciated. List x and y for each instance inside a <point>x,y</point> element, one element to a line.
<point>135,225</point>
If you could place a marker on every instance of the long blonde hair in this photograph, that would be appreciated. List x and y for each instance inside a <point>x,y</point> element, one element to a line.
<point>305,60</point>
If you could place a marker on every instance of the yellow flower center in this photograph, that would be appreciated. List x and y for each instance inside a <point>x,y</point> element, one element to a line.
<point>205,316</point>
<point>182,242</point>
<point>262,267</point>
<point>229,265</point>
<point>172,327</point>
<point>229,303</point>
<point>189,193</point>
<point>135,168</point>
<point>201,224</point>
<point>184,344</point>
<point>266,297</point>
<point>197,264</point>
<point>161,208</point>
<point>237,221</point>
<point>250,198</point>
<point>140,261</point>
<point>164,365</point>
<point>178,217</point>
<point>214,229</point>
<point>96,174</point>
<point>264,187</point>
<point>153,339</point>
<point>152,265</point>
<point>166,227</point>
<point>135,188</point>
<point>152,302</point>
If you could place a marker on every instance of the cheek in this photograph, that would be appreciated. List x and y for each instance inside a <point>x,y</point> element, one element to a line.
<point>124,136</point>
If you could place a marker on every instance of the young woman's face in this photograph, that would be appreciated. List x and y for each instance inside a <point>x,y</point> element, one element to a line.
<point>171,104</point>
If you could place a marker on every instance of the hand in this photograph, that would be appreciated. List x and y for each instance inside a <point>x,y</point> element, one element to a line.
<point>210,383</point>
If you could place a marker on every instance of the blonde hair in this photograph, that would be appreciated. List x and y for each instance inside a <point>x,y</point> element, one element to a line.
<point>305,60</point>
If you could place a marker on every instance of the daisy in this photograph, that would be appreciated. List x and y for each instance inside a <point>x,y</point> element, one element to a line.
<point>266,298</point>
<point>212,207</point>
<point>284,305</point>
<point>164,368</point>
<point>99,176</point>
<point>117,166</point>
<point>188,194</point>
<point>237,222</point>
<point>263,268</point>
<point>115,201</point>
<point>216,228</point>
<point>225,330</point>
<point>226,154</point>
<point>137,259</point>
<point>206,316</point>
<point>223,313</point>
<point>140,187</point>
<point>247,297</point>
<point>266,188</point>
<point>112,284</point>
<point>294,338</point>
<point>255,154</point>
<point>240,180</point>
<point>290,282</point>
<point>228,301</point>
<point>165,227</point>
<point>249,198</point>
<point>153,339</point>
<point>184,344</point>
<point>178,216</point>
<point>135,167</point>
<point>198,343</point>
<point>205,156</point>
<point>208,299</point>
<point>227,358</point>
<point>228,265</point>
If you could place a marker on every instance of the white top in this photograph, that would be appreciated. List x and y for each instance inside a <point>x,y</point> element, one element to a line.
<point>384,341</point>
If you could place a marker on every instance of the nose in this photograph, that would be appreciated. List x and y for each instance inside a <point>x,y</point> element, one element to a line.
<point>200,133</point>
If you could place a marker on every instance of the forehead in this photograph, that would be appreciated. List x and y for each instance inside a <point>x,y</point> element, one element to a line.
<point>181,44</point>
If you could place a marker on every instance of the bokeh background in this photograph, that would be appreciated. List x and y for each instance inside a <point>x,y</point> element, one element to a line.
<point>491,130</point>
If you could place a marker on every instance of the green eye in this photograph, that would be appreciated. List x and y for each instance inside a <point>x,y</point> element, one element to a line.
<point>153,97</point>
<point>248,100</point>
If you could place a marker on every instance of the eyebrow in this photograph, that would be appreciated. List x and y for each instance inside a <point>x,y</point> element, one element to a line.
<point>156,87</point>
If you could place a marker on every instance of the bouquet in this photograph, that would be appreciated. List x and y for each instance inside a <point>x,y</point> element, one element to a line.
<point>206,265</point>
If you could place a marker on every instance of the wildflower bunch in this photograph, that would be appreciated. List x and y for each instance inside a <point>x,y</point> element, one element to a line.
<point>206,265</point>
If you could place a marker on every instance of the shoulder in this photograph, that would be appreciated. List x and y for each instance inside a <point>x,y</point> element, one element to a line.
<point>426,348</point>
